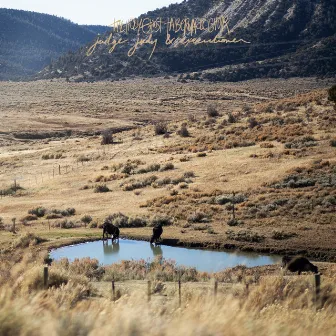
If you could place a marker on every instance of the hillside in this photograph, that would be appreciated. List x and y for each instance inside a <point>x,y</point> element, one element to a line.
<point>288,38</point>
<point>29,40</point>
<point>275,150</point>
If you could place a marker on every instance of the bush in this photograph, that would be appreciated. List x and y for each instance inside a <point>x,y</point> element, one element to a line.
<point>29,218</point>
<point>39,211</point>
<point>198,217</point>
<point>65,224</point>
<point>160,128</point>
<point>107,137</point>
<point>231,118</point>
<point>122,221</point>
<point>87,219</point>
<point>245,235</point>
<point>183,131</point>
<point>252,122</point>
<point>189,174</point>
<point>101,188</point>
<point>233,222</point>
<point>201,154</point>
<point>333,143</point>
<point>281,235</point>
<point>26,240</point>
<point>212,112</point>
<point>163,220</point>
<point>167,166</point>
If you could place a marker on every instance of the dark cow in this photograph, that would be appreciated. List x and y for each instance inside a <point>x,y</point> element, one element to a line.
<point>157,232</point>
<point>298,264</point>
<point>110,229</point>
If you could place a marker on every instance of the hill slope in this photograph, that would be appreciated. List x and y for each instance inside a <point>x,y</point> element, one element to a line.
<point>28,40</point>
<point>284,35</point>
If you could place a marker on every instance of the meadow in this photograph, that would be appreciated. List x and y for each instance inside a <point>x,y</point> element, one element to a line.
<point>248,165</point>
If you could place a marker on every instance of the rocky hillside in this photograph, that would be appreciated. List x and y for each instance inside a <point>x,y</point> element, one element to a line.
<point>29,41</point>
<point>288,38</point>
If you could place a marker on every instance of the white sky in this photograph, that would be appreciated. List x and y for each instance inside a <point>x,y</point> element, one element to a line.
<point>101,12</point>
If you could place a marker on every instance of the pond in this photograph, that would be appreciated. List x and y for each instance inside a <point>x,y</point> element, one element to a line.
<point>203,260</point>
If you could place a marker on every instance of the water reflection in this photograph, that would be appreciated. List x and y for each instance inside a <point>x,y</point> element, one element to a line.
<point>203,260</point>
<point>156,249</point>
<point>111,249</point>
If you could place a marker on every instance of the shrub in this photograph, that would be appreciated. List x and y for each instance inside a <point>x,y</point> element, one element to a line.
<point>212,111</point>
<point>163,220</point>
<point>83,158</point>
<point>26,240</point>
<point>87,219</point>
<point>266,145</point>
<point>101,188</point>
<point>183,131</point>
<point>333,142</point>
<point>107,137</point>
<point>245,235</point>
<point>29,218</point>
<point>39,211</point>
<point>167,166</point>
<point>65,224</point>
<point>93,225</point>
<point>233,222</point>
<point>332,94</point>
<point>189,174</point>
<point>201,154</point>
<point>161,128</point>
<point>252,122</point>
<point>231,118</point>
<point>281,235</point>
<point>198,217</point>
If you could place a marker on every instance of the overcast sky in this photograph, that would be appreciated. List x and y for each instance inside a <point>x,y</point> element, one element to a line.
<point>89,11</point>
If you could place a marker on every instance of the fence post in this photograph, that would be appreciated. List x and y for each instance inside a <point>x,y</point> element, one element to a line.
<point>233,206</point>
<point>149,291</point>
<point>179,291</point>
<point>49,224</point>
<point>216,289</point>
<point>317,278</point>
<point>45,277</point>
<point>113,291</point>
<point>13,220</point>
<point>59,169</point>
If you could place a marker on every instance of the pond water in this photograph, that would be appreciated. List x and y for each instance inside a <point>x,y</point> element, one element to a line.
<point>203,260</point>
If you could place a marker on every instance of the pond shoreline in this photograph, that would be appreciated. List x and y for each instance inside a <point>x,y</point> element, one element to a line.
<point>317,255</point>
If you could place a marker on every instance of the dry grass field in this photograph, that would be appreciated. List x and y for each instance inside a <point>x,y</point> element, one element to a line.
<point>265,149</point>
<point>269,147</point>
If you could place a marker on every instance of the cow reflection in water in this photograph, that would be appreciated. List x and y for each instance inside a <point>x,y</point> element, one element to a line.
<point>156,249</point>
<point>111,249</point>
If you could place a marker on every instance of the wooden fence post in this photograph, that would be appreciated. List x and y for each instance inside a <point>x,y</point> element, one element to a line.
<point>113,291</point>
<point>45,277</point>
<point>179,292</point>
<point>149,290</point>
<point>59,169</point>
<point>233,206</point>
<point>49,224</point>
<point>317,278</point>
<point>13,220</point>
<point>216,289</point>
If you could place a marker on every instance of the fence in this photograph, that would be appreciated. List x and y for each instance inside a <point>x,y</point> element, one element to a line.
<point>316,279</point>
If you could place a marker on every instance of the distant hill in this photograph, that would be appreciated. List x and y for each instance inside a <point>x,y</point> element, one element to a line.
<point>29,40</point>
<point>288,38</point>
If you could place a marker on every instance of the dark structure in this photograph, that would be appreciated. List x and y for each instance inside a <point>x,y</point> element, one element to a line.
<point>110,229</point>
<point>298,264</point>
<point>157,232</point>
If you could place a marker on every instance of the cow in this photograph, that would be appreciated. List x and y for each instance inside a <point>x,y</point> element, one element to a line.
<point>298,264</point>
<point>110,229</point>
<point>157,232</point>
